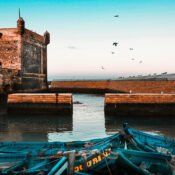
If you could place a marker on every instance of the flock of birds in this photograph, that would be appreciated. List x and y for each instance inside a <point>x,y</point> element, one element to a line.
<point>115,44</point>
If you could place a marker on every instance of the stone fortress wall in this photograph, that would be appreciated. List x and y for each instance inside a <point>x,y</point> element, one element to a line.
<point>23,59</point>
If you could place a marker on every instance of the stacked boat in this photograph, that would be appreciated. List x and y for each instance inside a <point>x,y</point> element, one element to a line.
<point>130,152</point>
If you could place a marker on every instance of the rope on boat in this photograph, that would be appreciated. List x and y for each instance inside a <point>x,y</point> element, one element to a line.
<point>25,170</point>
<point>113,158</point>
<point>107,165</point>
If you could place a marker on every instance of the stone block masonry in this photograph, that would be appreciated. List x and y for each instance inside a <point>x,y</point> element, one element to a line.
<point>58,104</point>
<point>1,83</point>
<point>110,86</point>
<point>140,105</point>
<point>25,52</point>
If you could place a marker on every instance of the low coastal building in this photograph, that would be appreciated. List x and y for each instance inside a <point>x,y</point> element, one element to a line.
<point>23,59</point>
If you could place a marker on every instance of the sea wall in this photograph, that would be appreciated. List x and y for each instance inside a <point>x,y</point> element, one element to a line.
<point>140,104</point>
<point>108,86</point>
<point>59,104</point>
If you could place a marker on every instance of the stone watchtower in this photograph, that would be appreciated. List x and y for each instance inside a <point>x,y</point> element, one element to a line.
<point>23,58</point>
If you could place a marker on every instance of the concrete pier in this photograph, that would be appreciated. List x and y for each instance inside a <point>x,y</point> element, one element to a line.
<point>30,103</point>
<point>140,104</point>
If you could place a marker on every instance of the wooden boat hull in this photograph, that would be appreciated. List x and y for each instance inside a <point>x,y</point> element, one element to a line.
<point>36,166</point>
<point>36,163</point>
<point>143,163</point>
<point>99,156</point>
<point>50,148</point>
<point>150,142</point>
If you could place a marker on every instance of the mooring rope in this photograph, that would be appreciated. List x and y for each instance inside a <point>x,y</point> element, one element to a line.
<point>24,171</point>
<point>107,163</point>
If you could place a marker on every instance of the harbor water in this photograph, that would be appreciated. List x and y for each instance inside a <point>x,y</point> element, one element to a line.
<point>88,122</point>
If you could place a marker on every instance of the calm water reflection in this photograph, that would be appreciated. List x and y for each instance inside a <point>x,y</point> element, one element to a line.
<point>88,121</point>
<point>161,126</point>
<point>32,128</point>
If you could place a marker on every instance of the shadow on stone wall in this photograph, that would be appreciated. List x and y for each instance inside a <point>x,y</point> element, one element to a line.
<point>3,104</point>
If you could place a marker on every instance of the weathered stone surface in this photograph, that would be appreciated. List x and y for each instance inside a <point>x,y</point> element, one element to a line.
<point>139,98</point>
<point>140,104</point>
<point>10,49</point>
<point>40,103</point>
<point>40,98</point>
<point>25,52</point>
<point>114,86</point>
<point>31,63</point>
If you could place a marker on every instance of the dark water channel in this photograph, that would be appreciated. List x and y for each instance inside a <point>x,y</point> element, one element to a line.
<point>88,121</point>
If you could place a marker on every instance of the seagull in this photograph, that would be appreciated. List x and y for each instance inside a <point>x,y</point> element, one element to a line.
<point>140,61</point>
<point>116,16</point>
<point>131,49</point>
<point>115,44</point>
<point>133,59</point>
<point>112,52</point>
<point>102,67</point>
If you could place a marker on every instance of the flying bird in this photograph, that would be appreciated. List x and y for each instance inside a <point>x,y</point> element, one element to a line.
<point>140,61</point>
<point>112,52</point>
<point>116,16</point>
<point>115,44</point>
<point>102,67</point>
<point>131,49</point>
<point>133,59</point>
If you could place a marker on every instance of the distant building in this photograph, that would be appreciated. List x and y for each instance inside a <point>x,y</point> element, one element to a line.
<point>23,58</point>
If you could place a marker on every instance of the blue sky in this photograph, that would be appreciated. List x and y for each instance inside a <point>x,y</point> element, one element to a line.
<point>82,33</point>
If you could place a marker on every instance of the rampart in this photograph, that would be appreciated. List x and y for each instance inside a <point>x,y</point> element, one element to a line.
<point>129,86</point>
<point>25,52</point>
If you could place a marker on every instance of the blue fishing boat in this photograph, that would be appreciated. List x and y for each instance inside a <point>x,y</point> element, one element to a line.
<point>115,159</point>
<point>100,158</point>
<point>150,142</point>
<point>34,166</point>
<point>133,162</point>
<point>27,158</point>
<point>125,162</point>
<point>51,148</point>
<point>104,159</point>
<point>93,152</point>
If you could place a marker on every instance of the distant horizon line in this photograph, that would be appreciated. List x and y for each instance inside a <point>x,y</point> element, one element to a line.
<point>118,75</point>
<point>165,75</point>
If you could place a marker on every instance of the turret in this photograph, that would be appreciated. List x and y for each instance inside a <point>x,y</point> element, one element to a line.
<point>21,26</point>
<point>46,37</point>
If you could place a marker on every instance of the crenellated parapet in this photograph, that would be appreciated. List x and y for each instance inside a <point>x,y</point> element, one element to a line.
<point>46,38</point>
<point>25,51</point>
